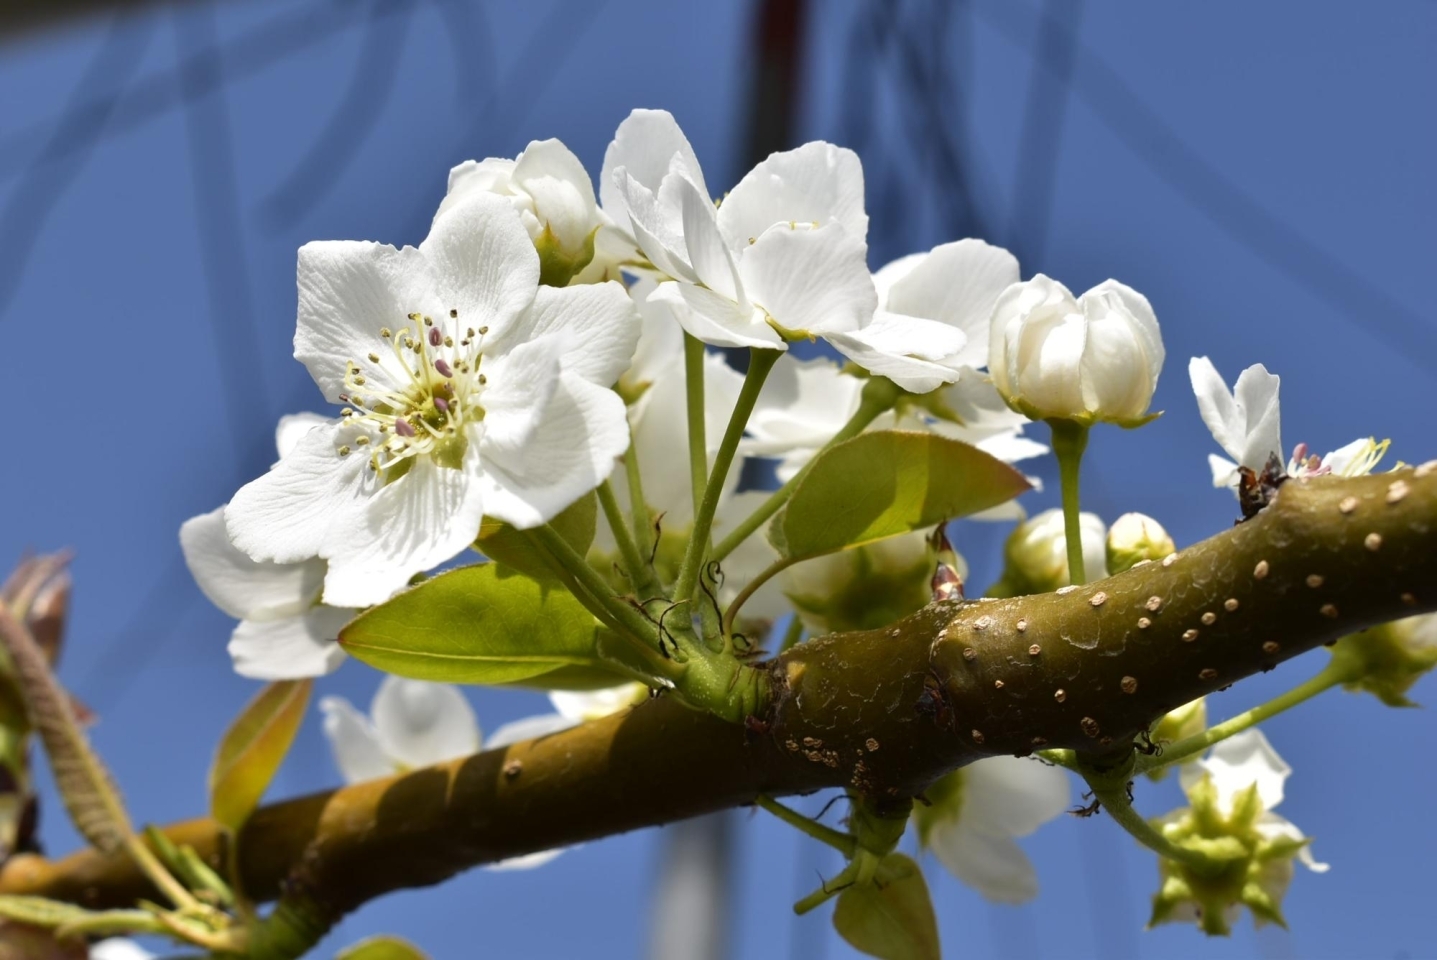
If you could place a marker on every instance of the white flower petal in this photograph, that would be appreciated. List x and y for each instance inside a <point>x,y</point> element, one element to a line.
<point>293,426</point>
<point>802,405</point>
<point>292,648</point>
<point>415,523</point>
<point>715,319</point>
<point>994,866</point>
<point>582,430</point>
<point>1245,422</point>
<point>288,514</point>
<point>816,183</point>
<point>584,705</point>
<point>710,258</point>
<point>1036,345</point>
<point>528,728</point>
<point>917,354</point>
<point>1242,760</point>
<point>528,861</point>
<point>119,948</point>
<point>645,145</point>
<point>481,262</point>
<point>419,723</point>
<point>1224,471</point>
<point>1123,353</point>
<point>890,273</point>
<point>1012,796</point>
<point>596,327</point>
<point>1273,825</point>
<point>353,741</point>
<point>563,195</point>
<point>657,224</point>
<point>522,382</point>
<point>242,587</point>
<point>812,281</point>
<point>490,175</point>
<point>660,349</point>
<point>957,284</point>
<point>1112,299</point>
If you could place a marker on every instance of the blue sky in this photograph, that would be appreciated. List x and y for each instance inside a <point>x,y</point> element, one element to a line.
<point>1261,172</point>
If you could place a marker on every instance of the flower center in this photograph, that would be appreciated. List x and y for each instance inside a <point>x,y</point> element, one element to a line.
<point>414,396</point>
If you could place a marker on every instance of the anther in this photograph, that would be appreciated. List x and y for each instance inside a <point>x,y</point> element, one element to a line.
<point>1259,572</point>
<point>1328,610</point>
<point>1397,491</point>
<point>1154,604</point>
<point>403,428</point>
<point>1348,504</point>
<point>441,404</point>
<point>361,441</point>
<point>374,358</point>
<point>483,330</point>
<point>1271,647</point>
<point>428,322</point>
<point>1314,580</point>
<point>469,333</point>
<point>1144,623</point>
<point>1129,684</point>
<point>1373,542</point>
<point>1034,650</point>
<point>1098,599</point>
<point>449,341</point>
<point>346,412</point>
<point>1207,673</point>
<point>1060,695</point>
<point>1090,726</point>
<point>435,337</point>
<point>1209,618</point>
<point>359,381</point>
<point>453,314</point>
<point>1189,635</point>
<point>344,450</point>
<point>443,368</point>
<point>1230,604</point>
<point>385,332</point>
<point>483,379</point>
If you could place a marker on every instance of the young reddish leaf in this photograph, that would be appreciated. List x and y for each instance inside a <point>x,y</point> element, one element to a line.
<point>253,748</point>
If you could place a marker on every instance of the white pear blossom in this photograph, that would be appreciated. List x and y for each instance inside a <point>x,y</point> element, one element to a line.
<point>1246,421</point>
<point>553,195</point>
<point>1036,554</point>
<point>1134,538</point>
<point>1091,358</point>
<point>411,724</point>
<point>979,811</point>
<point>933,314</point>
<point>119,948</point>
<point>469,391</point>
<point>285,632</point>
<point>865,587</point>
<point>1233,791</point>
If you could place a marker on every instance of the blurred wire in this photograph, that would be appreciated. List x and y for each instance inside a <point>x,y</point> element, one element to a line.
<point>1041,138</point>
<point>1239,214</point>
<point>693,895</point>
<point>155,93</point>
<point>369,89</point>
<point>68,147</point>
<point>220,233</point>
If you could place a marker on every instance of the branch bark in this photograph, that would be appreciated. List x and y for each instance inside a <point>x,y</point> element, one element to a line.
<point>882,712</point>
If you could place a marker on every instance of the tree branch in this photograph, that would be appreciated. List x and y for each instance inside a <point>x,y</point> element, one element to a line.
<point>882,712</point>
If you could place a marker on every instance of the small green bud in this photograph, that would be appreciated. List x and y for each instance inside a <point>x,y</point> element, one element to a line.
<point>1135,537</point>
<point>558,264</point>
<point>867,587</point>
<point>1387,660</point>
<point>1036,555</point>
<point>1186,721</point>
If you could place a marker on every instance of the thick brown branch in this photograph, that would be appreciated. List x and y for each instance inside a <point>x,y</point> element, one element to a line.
<point>882,712</point>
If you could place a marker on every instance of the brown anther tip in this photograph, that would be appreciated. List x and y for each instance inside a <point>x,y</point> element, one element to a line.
<point>1189,635</point>
<point>513,768</point>
<point>1034,650</point>
<point>1209,618</point>
<point>1155,603</point>
<point>1230,604</point>
<point>1259,572</point>
<point>1144,623</point>
<point>1207,673</point>
<point>1397,490</point>
<point>1090,727</point>
<point>1373,542</point>
<point>1060,695</point>
<point>1022,626</point>
<point>969,653</point>
<point>1314,580</point>
<point>1348,504</point>
<point>1328,610</point>
<point>1271,647</point>
<point>1129,684</point>
<point>977,735</point>
<point>1098,599</point>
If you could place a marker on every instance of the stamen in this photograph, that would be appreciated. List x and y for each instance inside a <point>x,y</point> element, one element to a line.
<point>403,428</point>
<point>441,404</point>
<point>443,368</point>
<point>435,337</point>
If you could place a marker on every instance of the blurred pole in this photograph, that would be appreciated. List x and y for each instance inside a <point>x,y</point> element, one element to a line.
<point>691,907</point>
<point>692,915</point>
<point>18,17</point>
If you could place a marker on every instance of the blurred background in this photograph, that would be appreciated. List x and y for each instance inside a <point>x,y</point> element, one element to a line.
<point>1262,172</point>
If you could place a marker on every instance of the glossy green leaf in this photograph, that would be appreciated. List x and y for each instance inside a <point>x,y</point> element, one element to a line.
<point>382,948</point>
<point>253,748</point>
<point>511,548</point>
<point>892,917</point>
<point>574,678</point>
<point>476,625</point>
<point>885,483</point>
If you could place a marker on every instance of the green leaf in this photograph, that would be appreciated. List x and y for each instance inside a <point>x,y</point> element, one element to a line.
<point>885,483</point>
<point>892,917</point>
<point>253,748</point>
<point>475,625</point>
<point>511,548</point>
<point>382,948</point>
<point>574,678</point>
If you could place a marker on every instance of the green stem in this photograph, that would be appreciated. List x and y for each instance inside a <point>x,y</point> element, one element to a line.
<point>638,507</point>
<point>879,396</point>
<point>750,588</point>
<point>1115,801</point>
<point>759,364</point>
<point>635,564</point>
<point>844,843</point>
<point>694,394</point>
<point>1069,441</point>
<point>830,889</point>
<point>1331,676</point>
